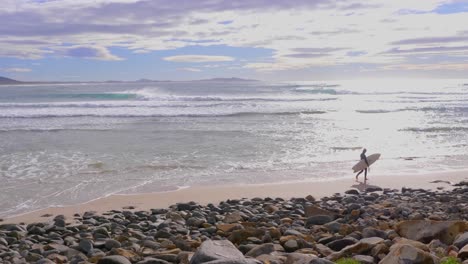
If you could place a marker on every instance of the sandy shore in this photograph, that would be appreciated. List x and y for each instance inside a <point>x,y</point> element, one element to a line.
<point>215,194</point>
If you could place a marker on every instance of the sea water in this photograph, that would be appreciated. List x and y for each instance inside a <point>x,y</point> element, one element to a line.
<point>63,144</point>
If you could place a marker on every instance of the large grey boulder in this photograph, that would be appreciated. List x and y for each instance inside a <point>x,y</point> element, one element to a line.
<point>461,240</point>
<point>219,251</point>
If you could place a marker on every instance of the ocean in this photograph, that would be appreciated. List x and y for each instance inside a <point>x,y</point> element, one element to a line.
<point>64,144</point>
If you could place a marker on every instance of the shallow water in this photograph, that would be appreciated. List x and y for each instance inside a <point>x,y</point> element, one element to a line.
<point>67,144</point>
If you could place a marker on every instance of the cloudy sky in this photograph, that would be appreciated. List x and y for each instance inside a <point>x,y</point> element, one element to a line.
<point>266,39</point>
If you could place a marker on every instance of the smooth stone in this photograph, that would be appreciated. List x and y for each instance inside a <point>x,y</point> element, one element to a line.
<point>463,253</point>
<point>312,210</point>
<point>111,243</point>
<point>339,244</point>
<point>461,240</point>
<point>86,245</point>
<point>261,250</point>
<point>298,258</point>
<point>233,217</point>
<point>364,245</point>
<point>321,261</point>
<point>153,261</point>
<point>114,260</point>
<point>291,245</point>
<point>318,220</point>
<point>219,251</point>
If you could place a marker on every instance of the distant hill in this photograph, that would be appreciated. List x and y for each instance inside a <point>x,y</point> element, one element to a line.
<point>232,79</point>
<point>4,80</point>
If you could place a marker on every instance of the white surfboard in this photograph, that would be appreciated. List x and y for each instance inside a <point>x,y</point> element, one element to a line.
<point>362,163</point>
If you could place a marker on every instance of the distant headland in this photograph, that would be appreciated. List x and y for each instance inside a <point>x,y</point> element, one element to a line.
<point>8,81</point>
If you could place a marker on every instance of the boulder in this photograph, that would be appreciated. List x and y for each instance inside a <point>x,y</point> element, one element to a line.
<point>408,254</point>
<point>461,240</point>
<point>219,251</point>
<point>463,253</point>
<point>114,260</point>
<point>298,258</point>
<point>426,230</point>
<point>312,210</point>
<point>363,246</point>
<point>261,250</point>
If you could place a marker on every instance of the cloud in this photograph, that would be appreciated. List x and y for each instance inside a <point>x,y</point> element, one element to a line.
<point>430,40</point>
<point>198,58</point>
<point>300,34</point>
<point>16,69</point>
<point>89,52</point>
<point>190,69</point>
<point>429,67</point>
<point>427,50</point>
<point>306,55</point>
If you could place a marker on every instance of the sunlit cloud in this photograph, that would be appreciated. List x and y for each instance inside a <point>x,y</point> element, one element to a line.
<point>190,69</point>
<point>10,70</point>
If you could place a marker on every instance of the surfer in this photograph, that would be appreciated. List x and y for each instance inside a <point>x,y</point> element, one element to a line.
<point>363,157</point>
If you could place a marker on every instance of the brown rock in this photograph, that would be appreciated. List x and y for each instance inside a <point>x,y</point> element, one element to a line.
<point>408,254</point>
<point>226,228</point>
<point>312,210</point>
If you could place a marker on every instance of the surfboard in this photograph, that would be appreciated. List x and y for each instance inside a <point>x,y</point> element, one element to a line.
<point>362,164</point>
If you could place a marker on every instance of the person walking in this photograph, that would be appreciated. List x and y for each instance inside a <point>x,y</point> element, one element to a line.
<point>363,157</point>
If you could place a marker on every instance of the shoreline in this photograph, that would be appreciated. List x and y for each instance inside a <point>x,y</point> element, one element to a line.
<point>215,194</point>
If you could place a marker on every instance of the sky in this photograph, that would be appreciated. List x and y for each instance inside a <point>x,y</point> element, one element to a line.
<point>98,40</point>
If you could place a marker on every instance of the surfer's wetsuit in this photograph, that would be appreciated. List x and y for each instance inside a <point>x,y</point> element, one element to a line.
<point>363,157</point>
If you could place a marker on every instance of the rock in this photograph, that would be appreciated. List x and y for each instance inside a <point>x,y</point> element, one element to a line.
<point>461,240</point>
<point>363,259</point>
<point>320,261</point>
<point>153,261</point>
<point>86,245</point>
<point>408,254</point>
<point>298,258</point>
<point>232,218</point>
<point>363,246</point>
<point>318,220</point>
<point>111,243</point>
<point>261,250</point>
<point>229,227</point>
<point>404,241</point>
<point>352,191</point>
<point>219,251</point>
<point>463,253</point>
<point>426,230</point>
<point>339,244</point>
<point>291,245</point>
<point>114,260</point>
<point>373,232</point>
<point>312,210</point>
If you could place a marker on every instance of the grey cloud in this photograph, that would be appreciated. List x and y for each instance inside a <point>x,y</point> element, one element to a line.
<point>429,49</point>
<point>306,55</point>
<point>334,32</point>
<point>430,40</point>
<point>317,50</point>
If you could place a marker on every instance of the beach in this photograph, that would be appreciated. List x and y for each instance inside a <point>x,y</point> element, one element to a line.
<point>215,194</point>
<point>388,219</point>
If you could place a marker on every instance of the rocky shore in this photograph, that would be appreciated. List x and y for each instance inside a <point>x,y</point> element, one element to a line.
<point>375,226</point>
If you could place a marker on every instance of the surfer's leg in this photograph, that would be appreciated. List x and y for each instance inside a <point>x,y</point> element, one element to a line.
<point>357,175</point>
<point>365,174</point>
